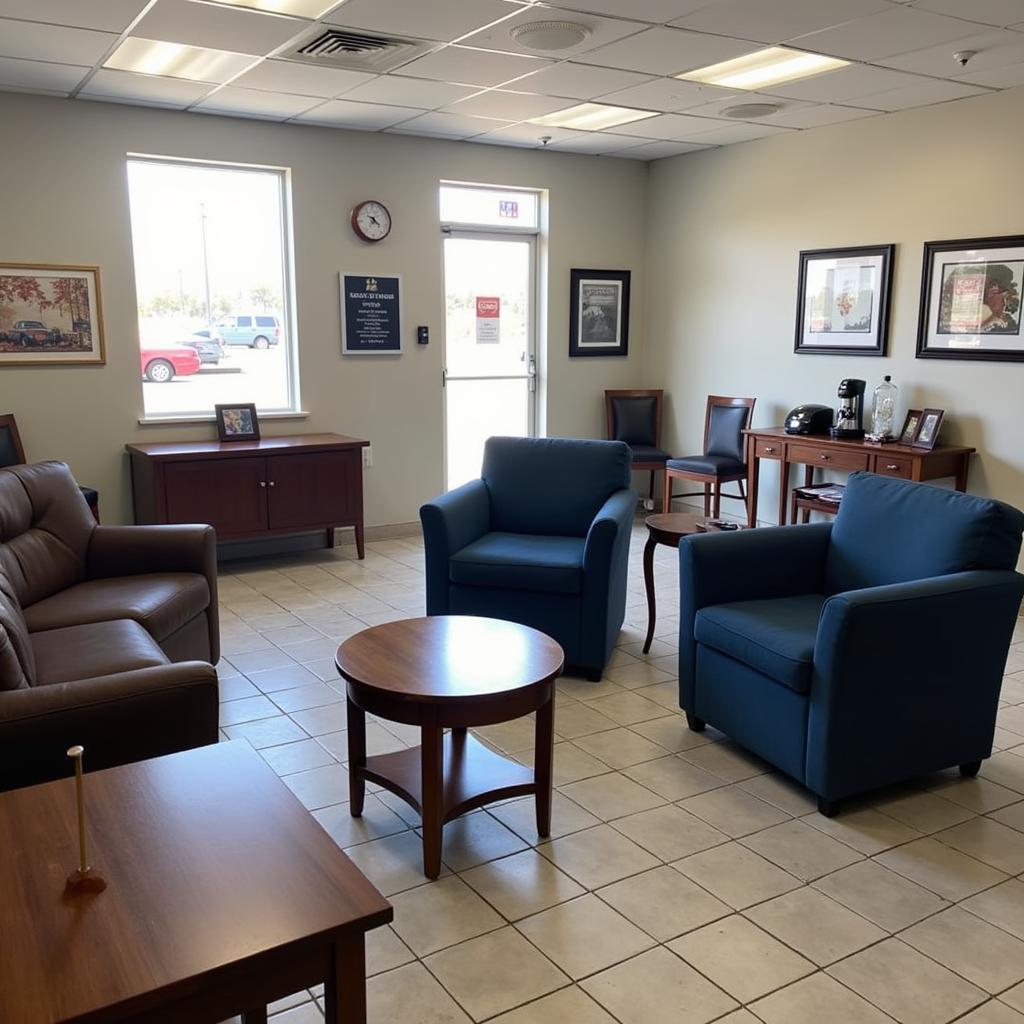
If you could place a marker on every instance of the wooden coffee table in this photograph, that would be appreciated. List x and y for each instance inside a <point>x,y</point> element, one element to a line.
<point>450,671</point>
<point>668,528</point>
<point>223,894</point>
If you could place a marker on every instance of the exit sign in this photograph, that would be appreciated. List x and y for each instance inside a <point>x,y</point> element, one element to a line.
<point>508,208</point>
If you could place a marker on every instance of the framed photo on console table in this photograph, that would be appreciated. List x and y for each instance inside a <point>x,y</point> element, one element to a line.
<point>843,301</point>
<point>599,312</point>
<point>237,422</point>
<point>970,299</point>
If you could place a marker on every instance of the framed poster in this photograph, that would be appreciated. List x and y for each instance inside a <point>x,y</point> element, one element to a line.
<point>599,312</point>
<point>50,315</point>
<point>970,299</point>
<point>371,316</point>
<point>843,301</point>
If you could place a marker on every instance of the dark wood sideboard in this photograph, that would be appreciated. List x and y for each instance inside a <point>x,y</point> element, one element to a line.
<point>253,489</point>
<point>810,450</point>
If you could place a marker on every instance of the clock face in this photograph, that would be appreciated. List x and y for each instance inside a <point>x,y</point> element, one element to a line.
<point>371,221</point>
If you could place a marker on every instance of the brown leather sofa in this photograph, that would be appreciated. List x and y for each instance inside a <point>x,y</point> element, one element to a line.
<point>108,634</point>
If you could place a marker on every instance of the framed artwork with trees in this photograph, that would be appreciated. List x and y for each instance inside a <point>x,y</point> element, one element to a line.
<point>50,315</point>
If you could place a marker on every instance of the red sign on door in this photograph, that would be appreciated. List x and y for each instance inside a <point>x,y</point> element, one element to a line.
<point>487,306</point>
<point>488,320</point>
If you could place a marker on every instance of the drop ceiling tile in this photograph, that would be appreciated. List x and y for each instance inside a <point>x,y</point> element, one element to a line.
<point>669,126</point>
<point>656,12</point>
<point>456,126</point>
<point>931,91</point>
<point>817,115</point>
<point>526,134</point>
<point>659,150</point>
<point>596,143</point>
<point>407,92</point>
<point>602,31</point>
<point>109,16</point>
<point>302,79</point>
<point>779,20</point>
<point>667,51</point>
<point>465,66</point>
<point>53,43</point>
<point>898,30</point>
<point>845,84</point>
<point>365,116</point>
<point>741,131</point>
<point>669,94</point>
<point>217,26</point>
<point>126,86</point>
<point>579,81</point>
<point>440,20</point>
<point>994,49</point>
<point>509,106</point>
<point>988,12</point>
<point>999,78</point>
<point>38,76</point>
<point>255,103</point>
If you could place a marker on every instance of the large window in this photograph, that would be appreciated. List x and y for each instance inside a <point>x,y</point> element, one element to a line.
<point>213,278</point>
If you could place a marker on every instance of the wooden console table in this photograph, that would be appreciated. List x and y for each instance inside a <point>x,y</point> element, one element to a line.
<point>810,450</point>
<point>252,489</point>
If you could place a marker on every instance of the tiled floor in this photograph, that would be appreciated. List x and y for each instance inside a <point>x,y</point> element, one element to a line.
<point>684,881</point>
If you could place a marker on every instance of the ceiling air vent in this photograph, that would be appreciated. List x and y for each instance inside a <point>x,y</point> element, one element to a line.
<point>354,50</point>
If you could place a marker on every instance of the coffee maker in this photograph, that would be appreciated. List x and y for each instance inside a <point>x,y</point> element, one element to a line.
<point>850,414</point>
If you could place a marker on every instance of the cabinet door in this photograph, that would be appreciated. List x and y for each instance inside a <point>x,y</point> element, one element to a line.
<point>229,494</point>
<point>318,489</point>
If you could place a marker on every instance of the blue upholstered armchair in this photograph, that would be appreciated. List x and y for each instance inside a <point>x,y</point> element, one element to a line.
<point>857,653</point>
<point>541,539</point>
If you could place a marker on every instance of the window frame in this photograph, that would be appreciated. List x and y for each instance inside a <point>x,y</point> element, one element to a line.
<point>289,339</point>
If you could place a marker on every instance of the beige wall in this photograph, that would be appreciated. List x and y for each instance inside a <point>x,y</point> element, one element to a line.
<point>64,200</point>
<point>724,229</point>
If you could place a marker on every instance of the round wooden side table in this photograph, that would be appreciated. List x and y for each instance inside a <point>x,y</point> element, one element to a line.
<point>668,528</point>
<point>450,672</point>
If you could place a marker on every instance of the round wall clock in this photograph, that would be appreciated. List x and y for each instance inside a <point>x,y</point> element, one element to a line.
<point>371,220</point>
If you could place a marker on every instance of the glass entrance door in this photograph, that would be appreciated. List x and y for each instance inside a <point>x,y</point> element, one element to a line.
<point>490,365</point>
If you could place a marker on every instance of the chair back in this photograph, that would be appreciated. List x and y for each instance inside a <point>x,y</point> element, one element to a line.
<point>634,416</point>
<point>893,531</point>
<point>551,486</point>
<point>11,451</point>
<point>724,423</point>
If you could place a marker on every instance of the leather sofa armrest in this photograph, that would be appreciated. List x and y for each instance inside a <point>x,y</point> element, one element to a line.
<point>118,718</point>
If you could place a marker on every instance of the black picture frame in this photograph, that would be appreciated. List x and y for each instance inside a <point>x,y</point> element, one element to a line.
<point>937,320</point>
<point>909,429</point>
<point>599,312</point>
<point>808,341</point>
<point>927,435</point>
<point>237,421</point>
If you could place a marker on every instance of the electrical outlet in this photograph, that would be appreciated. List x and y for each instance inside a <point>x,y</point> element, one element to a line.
<point>368,457</point>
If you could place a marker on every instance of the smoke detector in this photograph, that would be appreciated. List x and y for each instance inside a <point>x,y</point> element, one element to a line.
<point>549,35</point>
<point>749,111</point>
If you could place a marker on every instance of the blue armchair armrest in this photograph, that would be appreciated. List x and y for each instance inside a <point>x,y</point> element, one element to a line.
<point>450,522</point>
<point>907,678</point>
<point>748,565</point>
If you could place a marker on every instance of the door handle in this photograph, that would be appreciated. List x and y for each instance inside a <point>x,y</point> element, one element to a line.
<point>271,484</point>
<point>263,483</point>
<point>892,467</point>
<point>531,373</point>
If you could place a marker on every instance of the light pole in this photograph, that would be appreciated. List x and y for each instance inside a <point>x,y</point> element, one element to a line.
<point>206,265</point>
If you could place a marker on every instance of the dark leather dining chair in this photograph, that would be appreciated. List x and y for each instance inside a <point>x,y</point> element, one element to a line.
<point>723,459</point>
<point>634,416</point>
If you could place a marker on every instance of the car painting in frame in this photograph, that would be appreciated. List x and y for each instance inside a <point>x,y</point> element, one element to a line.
<point>843,301</point>
<point>599,312</point>
<point>970,299</point>
<point>50,315</point>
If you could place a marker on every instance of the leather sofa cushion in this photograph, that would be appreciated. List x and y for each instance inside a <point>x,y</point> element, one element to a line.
<point>17,662</point>
<point>708,465</point>
<point>774,637</point>
<point>161,602</point>
<point>510,561</point>
<point>96,649</point>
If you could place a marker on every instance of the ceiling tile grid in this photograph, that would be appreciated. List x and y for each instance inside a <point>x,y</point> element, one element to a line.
<point>473,79</point>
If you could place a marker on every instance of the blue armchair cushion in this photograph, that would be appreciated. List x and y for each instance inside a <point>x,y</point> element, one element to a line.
<point>551,486</point>
<point>774,637</point>
<point>647,453</point>
<point>890,531</point>
<point>708,465</point>
<point>515,561</point>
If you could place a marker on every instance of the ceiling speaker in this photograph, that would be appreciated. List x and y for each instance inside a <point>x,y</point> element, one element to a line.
<point>748,111</point>
<point>549,35</point>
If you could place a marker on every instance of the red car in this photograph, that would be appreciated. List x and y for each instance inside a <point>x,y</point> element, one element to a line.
<point>160,365</point>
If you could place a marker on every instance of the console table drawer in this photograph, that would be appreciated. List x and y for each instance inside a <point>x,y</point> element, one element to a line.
<point>835,458</point>
<point>769,449</point>
<point>894,465</point>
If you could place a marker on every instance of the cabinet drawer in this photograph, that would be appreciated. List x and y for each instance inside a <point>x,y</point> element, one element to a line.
<point>894,465</point>
<point>769,449</point>
<point>835,458</point>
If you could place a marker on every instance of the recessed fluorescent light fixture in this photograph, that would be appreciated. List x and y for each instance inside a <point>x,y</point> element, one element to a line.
<point>176,60</point>
<point>300,8</point>
<point>592,117</point>
<point>765,67</point>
